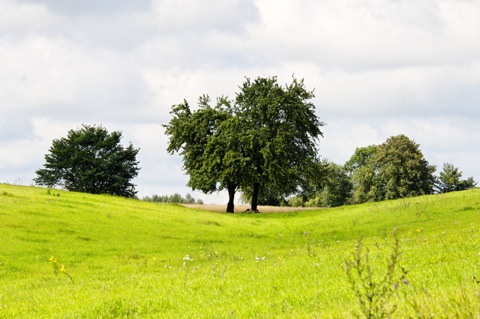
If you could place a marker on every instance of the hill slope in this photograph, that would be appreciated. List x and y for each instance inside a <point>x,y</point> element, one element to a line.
<point>127,258</point>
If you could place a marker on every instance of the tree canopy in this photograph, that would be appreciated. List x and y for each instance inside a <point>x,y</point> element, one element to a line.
<point>450,180</point>
<point>90,160</point>
<point>362,169</point>
<point>266,137</point>
<point>334,188</point>
<point>206,139</point>
<point>402,169</point>
<point>394,169</point>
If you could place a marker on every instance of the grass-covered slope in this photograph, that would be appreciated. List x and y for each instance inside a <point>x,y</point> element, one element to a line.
<point>125,258</point>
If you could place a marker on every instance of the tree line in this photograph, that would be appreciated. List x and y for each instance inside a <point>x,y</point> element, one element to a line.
<point>174,198</point>
<point>263,143</point>
<point>394,169</point>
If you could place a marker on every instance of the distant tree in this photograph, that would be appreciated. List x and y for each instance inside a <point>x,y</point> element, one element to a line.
<point>265,138</point>
<point>90,160</point>
<point>394,169</point>
<point>402,169</point>
<point>174,198</point>
<point>450,180</point>
<point>189,199</point>
<point>362,156</point>
<point>362,169</point>
<point>336,188</point>
<point>156,198</point>
<point>467,184</point>
<point>296,201</point>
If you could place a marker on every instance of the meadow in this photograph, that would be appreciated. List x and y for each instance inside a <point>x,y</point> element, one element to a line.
<point>74,255</point>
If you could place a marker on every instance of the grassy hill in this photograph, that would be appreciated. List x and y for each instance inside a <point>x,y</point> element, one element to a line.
<point>124,258</point>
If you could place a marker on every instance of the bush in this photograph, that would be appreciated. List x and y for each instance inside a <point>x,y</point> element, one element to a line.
<point>296,201</point>
<point>373,289</point>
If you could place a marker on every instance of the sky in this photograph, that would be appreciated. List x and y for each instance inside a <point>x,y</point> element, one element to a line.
<point>379,68</point>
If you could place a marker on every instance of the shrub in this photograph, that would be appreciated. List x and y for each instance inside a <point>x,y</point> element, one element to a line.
<point>374,291</point>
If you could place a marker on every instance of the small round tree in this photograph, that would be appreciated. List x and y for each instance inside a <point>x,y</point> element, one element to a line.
<point>90,160</point>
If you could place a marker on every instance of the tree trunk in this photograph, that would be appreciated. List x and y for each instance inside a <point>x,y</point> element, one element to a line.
<point>231,198</point>
<point>256,190</point>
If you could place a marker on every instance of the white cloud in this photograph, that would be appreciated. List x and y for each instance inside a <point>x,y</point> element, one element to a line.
<point>57,77</point>
<point>23,155</point>
<point>96,8</point>
<point>426,91</point>
<point>24,19</point>
<point>358,35</point>
<point>195,17</point>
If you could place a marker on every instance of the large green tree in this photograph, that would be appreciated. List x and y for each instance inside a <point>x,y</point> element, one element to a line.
<point>279,135</point>
<point>91,160</point>
<point>402,169</point>
<point>266,137</point>
<point>208,142</point>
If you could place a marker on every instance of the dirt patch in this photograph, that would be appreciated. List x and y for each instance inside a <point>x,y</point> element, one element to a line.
<point>242,208</point>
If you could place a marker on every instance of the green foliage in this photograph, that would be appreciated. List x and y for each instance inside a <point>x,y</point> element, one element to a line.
<point>207,141</point>
<point>265,138</point>
<point>90,160</point>
<point>201,138</point>
<point>394,169</point>
<point>335,188</point>
<point>175,198</point>
<point>402,169</point>
<point>450,180</point>
<point>296,201</point>
<point>362,169</point>
<point>280,131</point>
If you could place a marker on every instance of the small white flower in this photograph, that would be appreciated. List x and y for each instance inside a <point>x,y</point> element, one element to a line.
<point>187,257</point>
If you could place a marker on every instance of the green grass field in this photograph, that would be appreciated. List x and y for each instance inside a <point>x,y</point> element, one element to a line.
<point>124,258</point>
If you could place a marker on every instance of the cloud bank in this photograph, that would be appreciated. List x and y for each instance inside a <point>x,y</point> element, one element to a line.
<point>379,68</point>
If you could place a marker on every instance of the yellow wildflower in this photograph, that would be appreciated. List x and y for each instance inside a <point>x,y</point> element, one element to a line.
<point>52,260</point>
<point>63,269</point>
